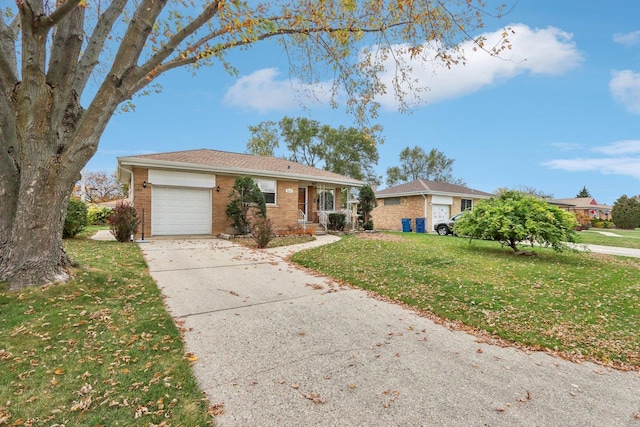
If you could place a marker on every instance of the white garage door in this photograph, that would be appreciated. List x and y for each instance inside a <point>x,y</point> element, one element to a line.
<point>180,210</point>
<point>438,213</point>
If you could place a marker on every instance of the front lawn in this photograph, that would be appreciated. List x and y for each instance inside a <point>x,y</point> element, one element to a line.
<point>583,305</point>
<point>98,350</point>
<point>623,238</point>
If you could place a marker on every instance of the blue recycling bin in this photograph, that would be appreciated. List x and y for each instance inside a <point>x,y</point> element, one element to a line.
<point>406,225</point>
<point>421,225</point>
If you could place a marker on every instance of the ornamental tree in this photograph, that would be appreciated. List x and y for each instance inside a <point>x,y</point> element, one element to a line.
<point>247,204</point>
<point>513,218</point>
<point>366,203</point>
<point>68,65</point>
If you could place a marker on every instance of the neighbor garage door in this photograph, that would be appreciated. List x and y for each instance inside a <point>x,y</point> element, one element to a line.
<point>180,210</point>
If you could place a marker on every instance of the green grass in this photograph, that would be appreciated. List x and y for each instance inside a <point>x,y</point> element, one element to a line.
<point>579,304</point>
<point>98,350</point>
<point>628,239</point>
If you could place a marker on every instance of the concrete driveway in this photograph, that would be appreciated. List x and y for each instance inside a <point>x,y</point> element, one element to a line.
<point>279,346</point>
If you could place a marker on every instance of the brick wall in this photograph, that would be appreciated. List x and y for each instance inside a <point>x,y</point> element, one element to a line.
<point>284,214</point>
<point>142,200</point>
<point>389,217</point>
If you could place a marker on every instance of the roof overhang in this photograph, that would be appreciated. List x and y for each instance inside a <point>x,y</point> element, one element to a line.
<point>433,193</point>
<point>124,162</point>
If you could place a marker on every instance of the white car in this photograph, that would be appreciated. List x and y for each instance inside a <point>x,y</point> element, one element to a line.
<point>445,227</point>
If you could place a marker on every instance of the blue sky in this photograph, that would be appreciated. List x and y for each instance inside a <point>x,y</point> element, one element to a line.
<point>561,113</point>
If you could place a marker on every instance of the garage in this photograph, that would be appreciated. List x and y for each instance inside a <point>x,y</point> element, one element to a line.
<point>439,213</point>
<point>180,210</point>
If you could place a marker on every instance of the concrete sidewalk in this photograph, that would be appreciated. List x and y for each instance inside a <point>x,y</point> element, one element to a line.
<point>281,347</point>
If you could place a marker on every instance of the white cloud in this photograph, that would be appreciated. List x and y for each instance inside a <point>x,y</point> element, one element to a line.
<point>607,166</point>
<point>549,51</point>
<point>618,160</point>
<point>627,39</point>
<point>625,89</point>
<point>263,91</point>
<point>620,147</point>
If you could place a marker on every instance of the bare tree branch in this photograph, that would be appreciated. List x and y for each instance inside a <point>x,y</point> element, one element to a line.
<point>46,22</point>
<point>99,36</point>
<point>170,47</point>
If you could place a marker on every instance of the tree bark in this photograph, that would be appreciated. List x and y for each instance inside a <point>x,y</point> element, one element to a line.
<point>37,179</point>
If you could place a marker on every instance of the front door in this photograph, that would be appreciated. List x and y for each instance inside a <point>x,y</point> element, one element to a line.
<point>302,201</point>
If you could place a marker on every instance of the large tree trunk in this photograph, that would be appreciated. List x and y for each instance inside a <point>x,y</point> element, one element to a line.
<point>33,253</point>
<point>38,171</point>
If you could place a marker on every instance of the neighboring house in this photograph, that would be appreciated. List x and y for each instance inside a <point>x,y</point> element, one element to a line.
<point>584,206</point>
<point>431,200</point>
<point>187,192</point>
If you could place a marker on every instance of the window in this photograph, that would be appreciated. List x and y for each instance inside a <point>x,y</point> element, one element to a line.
<point>268,188</point>
<point>392,201</point>
<point>466,204</point>
<point>325,200</point>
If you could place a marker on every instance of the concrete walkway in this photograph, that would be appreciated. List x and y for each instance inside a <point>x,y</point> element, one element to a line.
<point>278,346</point>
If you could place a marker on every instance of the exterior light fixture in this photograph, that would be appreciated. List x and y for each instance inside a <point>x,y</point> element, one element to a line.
<point>144,184</point>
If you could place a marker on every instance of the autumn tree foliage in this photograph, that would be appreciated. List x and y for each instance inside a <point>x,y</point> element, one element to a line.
<point>68,65</point>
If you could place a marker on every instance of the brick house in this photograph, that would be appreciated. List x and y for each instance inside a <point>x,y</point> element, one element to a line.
<point>187,192</point>
<point>431,200</point>
<point>586,207</point>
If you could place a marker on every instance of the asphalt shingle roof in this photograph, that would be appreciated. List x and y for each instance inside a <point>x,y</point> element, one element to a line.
<point>421,186</point>
<point>241,163</point>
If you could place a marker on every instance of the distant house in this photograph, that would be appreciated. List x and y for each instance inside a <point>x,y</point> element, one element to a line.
<point>431,200</point>
<point>187,192</point>
<point>584,206</point>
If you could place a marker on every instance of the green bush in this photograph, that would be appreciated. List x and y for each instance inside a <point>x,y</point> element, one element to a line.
<point>626,212</point>
<point>123,221</point>
<point>98,215</point>
<point>76,219</point>
<point>262,232</point>
<point>368,225</point>
<point>337,221</point>
<point>247,204</point>
<point>515,217</point>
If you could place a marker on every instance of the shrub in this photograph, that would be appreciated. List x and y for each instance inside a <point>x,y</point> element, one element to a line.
<point>76,219</point>
<point>337,221</point>
<point>98,215</point>
<point>366,203</point>
<point>261,230</point>
<point>247,204</point>
<point>368,225</point>
<point>626,212</point>
<point>584,221</point>
<point>295,231</point>
<point>123,221</point>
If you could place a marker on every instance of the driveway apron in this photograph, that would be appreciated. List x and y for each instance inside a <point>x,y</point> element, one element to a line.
<point>280,346</point>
